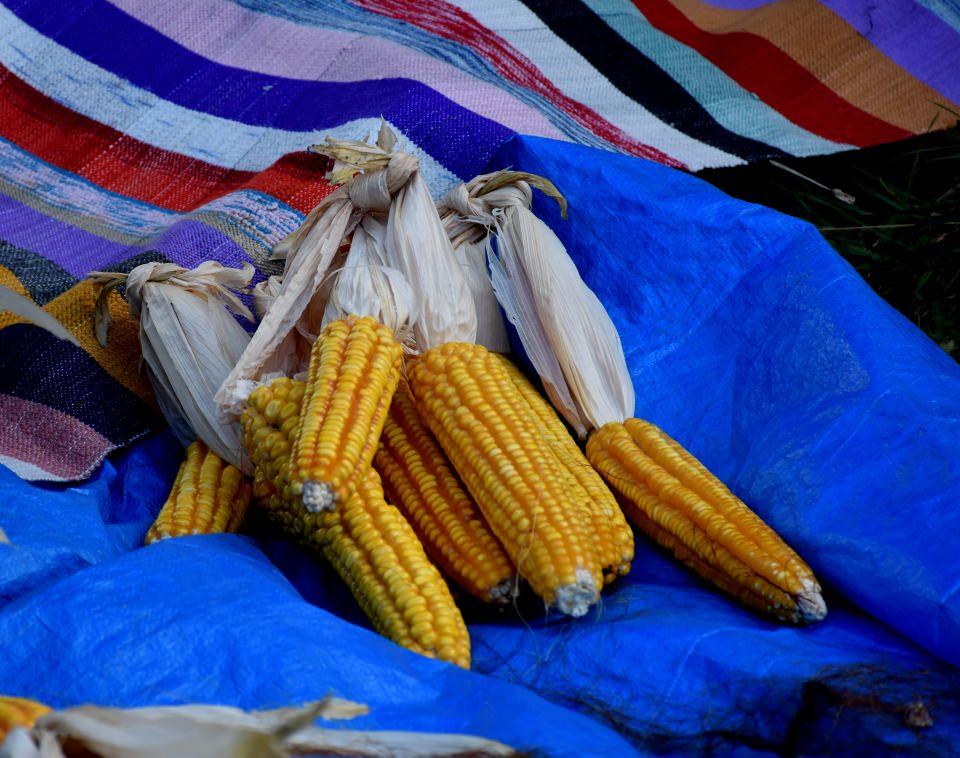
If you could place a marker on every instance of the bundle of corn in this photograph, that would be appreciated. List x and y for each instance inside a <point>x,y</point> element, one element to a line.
<point>467,400</point>
<point>416,475</point>
<point>471,213</point>
<point>367,541</point>
<point>190,341</point>
<point>666,492</point>
<point>314,442</point>
<point>209,496</point>
<point>354,364</point>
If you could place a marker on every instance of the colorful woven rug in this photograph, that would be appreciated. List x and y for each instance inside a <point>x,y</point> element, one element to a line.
<point>135,130</point>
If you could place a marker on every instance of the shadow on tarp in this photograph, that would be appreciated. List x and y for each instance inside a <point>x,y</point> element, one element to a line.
<point>753,344</point>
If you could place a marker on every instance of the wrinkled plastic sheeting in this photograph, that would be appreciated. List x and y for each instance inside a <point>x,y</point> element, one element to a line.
<point>666,662</point>
<point>751,342</point>
<point>210,619</point>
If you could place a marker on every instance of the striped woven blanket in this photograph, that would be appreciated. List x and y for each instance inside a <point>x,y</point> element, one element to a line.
<point>134,130</point>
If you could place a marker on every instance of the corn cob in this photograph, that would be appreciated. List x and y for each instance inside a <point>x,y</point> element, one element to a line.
<point>421,483</point>
<point>353,373</point>
<point>209,496</point>
<point>613,535</point>
<point>468,401</point>
<point>367,541</point>
<point>19,712</point>
<point>672,497</point>
<point>269,424</point>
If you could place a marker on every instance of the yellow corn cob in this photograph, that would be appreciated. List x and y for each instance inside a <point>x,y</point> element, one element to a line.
<point>468,401</point>
<point>671,496</point>
<point>613,535</point>
<point>421,483</point>
<point>367,541</point>
<point>19,711</point>
<point>353,373</point>
<point>269,425</point>
<point>209,496</point>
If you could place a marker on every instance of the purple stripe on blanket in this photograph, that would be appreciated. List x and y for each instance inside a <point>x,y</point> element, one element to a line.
<point>186,242</point>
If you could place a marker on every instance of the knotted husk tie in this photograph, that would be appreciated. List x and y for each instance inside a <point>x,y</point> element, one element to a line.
<point>189,339</point>
<point>539,288</point>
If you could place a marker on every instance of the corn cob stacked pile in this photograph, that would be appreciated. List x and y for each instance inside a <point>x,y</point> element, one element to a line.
<point>451,461</point>
<point>464,466</point>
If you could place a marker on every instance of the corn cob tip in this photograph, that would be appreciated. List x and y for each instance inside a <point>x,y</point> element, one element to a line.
<point>810,603</point>
<point>318,497</point>
<point>575,599</point>
<point>505,591</point>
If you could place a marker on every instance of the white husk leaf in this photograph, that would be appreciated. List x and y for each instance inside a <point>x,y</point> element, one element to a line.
<point>193,346</point>
<point>202,731</point>
<point>189,341</point>
<point>515,292</point>
<point>308,252</point>
<point>468,213</point>
<point>366,286</point>
<point>418,247</point>
<point>25,308</point>
<point>491,329</point>
<point>264,293</point>
<point>542,285</point>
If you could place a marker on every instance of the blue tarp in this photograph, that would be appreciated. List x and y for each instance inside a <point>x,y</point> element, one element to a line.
<point>751,342</point>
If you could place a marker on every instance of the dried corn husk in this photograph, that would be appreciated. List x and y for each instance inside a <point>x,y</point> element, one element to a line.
<point>189,339</point>
<point>471,214</point>
<point>377,181</point>
<point>264,293</point>
<point>366,286</point>
<point>274,346</point>
<point>201,731</point>
<point>565,330</point>
<point>417,245</point>
<point>21,306</point>
<point>468,220</point>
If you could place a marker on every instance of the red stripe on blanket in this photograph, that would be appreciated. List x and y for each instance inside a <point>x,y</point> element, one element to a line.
<point>47,439</point>
<point>452,23</point>
<point>121,164</point>
<point>762,68</point>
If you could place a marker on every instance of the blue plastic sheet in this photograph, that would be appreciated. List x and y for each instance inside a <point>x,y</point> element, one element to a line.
<point>748,339</point>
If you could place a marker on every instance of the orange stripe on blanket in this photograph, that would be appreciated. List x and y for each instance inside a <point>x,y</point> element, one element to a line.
<point>75,310</point>
<point>834,52</point>
<point>9,279</point>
